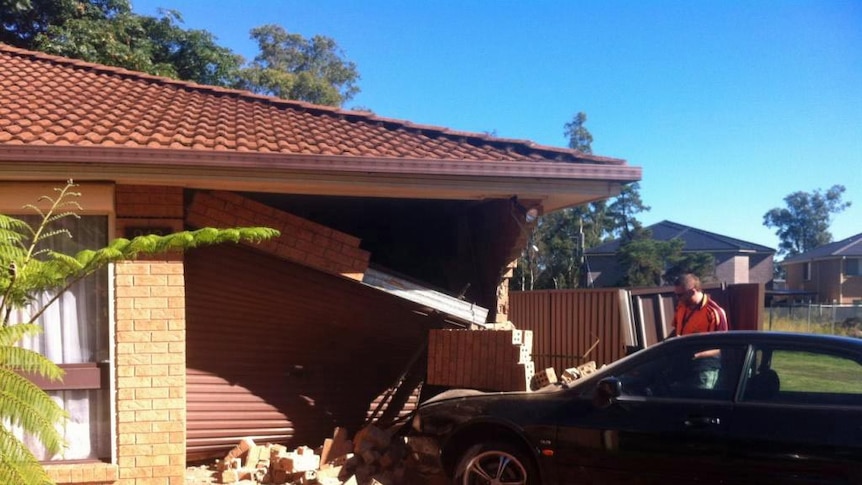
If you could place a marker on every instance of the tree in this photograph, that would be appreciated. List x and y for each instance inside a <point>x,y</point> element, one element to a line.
<point>29,268</point>
<point>554,257</point>
<point>291,66</point>
<point>700,264</point>
<point>621,220</point>
<point>23,21</point>
<point>644,260</point>
<point>579,136</point>
<point>108,32</point>
<point>804,224</point>
<point>558,247</point>
<point>649,262</point>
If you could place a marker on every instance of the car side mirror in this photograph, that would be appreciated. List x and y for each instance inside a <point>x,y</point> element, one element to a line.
<point>606,391</point>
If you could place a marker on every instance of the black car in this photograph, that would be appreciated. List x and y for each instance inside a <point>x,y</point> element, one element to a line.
<point>728,407</point>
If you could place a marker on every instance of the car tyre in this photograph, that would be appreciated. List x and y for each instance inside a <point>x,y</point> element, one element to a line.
<point>495,464</point>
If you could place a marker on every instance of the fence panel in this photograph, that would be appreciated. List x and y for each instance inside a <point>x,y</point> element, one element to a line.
<point>573,327</point>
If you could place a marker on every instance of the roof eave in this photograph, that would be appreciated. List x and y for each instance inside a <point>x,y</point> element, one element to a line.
<point>558,184</point>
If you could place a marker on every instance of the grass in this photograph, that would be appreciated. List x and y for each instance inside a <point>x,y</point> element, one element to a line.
<point>806,372</point>
<point>803,371</point>
<point>805,323</point>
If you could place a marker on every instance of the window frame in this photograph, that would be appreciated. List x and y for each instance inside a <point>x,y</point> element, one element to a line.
<point>95,200</point>
<point>758,362</point>
<point>732,360</point>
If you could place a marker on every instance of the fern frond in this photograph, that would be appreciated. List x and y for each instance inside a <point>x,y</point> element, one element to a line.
<point>18,466</point>
<point>9,223</point>
<point>25,360</point>
<point>14,233</point>
<point>39,276</point>
<point>65,265</point>
<point>36,209</point>
<point>24,404</point>
<point>12,334</point>
<point>124,249</point>
<point>52,233</point>
<point>56,216</point>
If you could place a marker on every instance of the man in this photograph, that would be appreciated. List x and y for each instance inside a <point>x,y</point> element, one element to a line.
<point>696,312</point>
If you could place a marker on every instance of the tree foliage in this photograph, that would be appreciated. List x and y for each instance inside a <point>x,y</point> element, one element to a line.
<point>649,262</point>
<point>291,66</point>
<point>108,32</point>
<point>28,267</point>
<point>644,260</point>
<point>578,135</point>
<point>804,223</point>
<point>555,254</point>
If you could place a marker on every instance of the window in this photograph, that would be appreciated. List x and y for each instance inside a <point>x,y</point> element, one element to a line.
<point>76,337</point>
<point>692,373</point>
<point>806,271</point>
<point>853,267</point>
<point>802,376</point>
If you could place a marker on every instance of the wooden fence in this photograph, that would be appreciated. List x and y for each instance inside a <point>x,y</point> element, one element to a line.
<point>571,327</point>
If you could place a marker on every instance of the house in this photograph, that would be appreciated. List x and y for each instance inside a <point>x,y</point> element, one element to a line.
<point>736,261</point>
<point>389,229</point>
<point>831,273</point>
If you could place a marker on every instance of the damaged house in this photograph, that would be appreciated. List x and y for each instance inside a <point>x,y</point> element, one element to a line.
<point>389,229</point>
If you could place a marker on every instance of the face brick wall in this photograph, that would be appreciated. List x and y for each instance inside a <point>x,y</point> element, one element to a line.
<point>150,346</point>
<point>301,240</point>
<point>150,357</point>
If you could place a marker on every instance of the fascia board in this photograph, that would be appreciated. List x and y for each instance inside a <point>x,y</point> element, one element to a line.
<point>558,184</point>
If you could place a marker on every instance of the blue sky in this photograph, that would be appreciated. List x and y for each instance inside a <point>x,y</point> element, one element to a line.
<point>728,106</point>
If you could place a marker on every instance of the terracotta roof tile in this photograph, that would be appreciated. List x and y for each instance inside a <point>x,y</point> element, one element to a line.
<point>50,100</point>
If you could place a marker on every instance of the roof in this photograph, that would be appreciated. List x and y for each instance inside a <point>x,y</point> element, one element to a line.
<point>137,128</point>
<point>696,240</point>
<point>50,100</point>
<point>850,247</point>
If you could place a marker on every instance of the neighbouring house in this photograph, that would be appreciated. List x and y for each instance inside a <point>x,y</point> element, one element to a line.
<point>389,229</point>
<point>736,261</point>
<point>831,273</point>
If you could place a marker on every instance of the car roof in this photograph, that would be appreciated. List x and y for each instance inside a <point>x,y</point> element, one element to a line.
<point>753,336</point>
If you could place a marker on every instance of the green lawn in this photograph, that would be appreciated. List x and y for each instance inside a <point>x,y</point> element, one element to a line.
<point>805,372</point>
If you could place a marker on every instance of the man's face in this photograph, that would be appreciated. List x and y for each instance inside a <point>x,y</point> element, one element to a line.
<point>686,296</point>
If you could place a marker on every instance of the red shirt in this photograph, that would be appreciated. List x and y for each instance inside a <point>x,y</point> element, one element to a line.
<point>706,316</point>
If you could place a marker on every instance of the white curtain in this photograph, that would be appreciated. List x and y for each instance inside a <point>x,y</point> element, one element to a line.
<point>63,341</point>
<point>75,332</point>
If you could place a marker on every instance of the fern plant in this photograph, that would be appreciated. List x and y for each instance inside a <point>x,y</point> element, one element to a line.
<point>29,268</point>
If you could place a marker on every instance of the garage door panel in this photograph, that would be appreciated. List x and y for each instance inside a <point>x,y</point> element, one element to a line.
<point>265,335</point>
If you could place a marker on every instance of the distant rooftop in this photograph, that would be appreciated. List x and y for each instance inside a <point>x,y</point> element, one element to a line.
<point>850,247</point>
<point>696,240</point>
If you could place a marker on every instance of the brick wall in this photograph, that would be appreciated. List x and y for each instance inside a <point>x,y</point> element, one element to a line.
<point>140,206</point>
<point>762,269</point>
<point>150,345</point>
<point>501,359</point>
<point>150,384</point>
<point>301,240</point>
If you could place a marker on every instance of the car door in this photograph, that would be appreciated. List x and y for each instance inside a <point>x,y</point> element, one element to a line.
<point>667,425</point>
<point>799,418</point>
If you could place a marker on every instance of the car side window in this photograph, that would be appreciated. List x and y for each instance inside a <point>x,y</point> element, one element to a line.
<point>804,376</point>
<point>690,373</point>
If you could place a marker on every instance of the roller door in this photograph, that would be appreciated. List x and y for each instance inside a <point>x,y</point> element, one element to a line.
<point>283,353</point>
